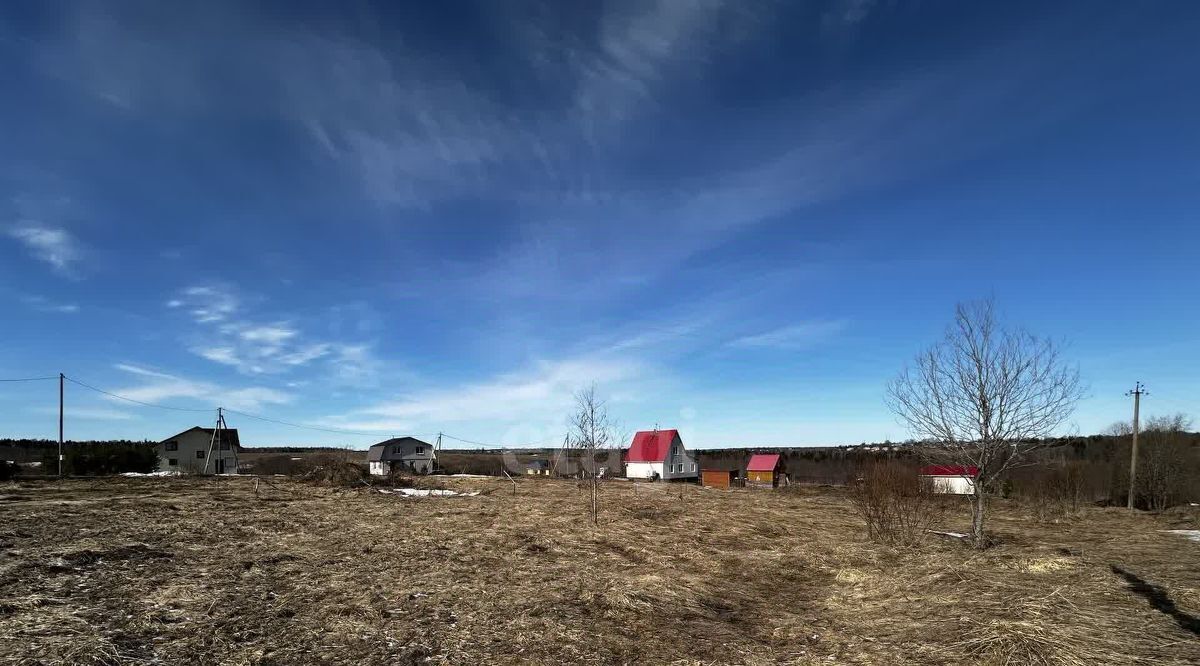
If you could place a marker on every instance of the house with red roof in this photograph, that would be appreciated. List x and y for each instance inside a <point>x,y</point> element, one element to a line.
<point>950,479</point>
<point>765,469</point>
<point>659,454</point>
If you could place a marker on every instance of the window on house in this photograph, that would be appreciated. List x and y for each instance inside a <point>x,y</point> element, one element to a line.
<point>172,445</point>
<point>693,467</point>
<point>200,453</point>
<point>172,461</point>
<point>420,450</point>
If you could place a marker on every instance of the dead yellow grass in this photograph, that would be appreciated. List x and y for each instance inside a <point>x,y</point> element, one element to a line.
<point>206,571</point>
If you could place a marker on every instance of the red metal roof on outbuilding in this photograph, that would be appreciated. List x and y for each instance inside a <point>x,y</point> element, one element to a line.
<point>651,445</point>
<point>949,470</point>
<point>762,462</point>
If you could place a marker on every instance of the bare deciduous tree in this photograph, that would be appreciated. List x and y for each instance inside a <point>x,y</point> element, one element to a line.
<point>592,432</point>
<point>984,396</point>
<point>1166,463</point>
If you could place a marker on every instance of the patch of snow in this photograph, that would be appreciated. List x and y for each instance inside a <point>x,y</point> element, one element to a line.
<point>424,492</point>
<point>165,472</point>
<point>956,535</point>
<point>1193,535</point>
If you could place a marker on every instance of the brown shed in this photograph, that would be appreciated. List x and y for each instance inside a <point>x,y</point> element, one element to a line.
<point>717,478</point>
<point>764,469</point>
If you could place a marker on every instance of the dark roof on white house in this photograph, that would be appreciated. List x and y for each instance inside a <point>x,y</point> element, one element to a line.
<point>378,451</point>
<point>229,435</point>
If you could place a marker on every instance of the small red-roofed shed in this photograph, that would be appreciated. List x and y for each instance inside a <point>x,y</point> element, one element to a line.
<point>764,469</point>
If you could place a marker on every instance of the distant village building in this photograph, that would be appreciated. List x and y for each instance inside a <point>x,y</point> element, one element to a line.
<point>765,470</point>
<point>659,454</point>
<point>538,468</point>
<point>401,454</point>
<point>197,451</point>
<point>950,479</point>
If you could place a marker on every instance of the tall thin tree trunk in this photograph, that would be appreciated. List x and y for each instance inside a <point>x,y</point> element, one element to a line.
<point>595,501</point>
<point>977,516</point>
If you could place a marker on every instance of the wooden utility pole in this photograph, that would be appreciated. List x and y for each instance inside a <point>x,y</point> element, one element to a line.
<point>1138,391</point>
<point>219,439</point>
<point>61,377</point>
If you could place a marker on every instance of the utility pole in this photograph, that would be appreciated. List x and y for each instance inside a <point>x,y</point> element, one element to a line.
<point>60,424</point>
<point>1138,391</point>
<point>437,454</point>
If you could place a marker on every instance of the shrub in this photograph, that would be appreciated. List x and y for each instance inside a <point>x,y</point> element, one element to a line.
<point>282,464</point>
<point>9,470</point>
<point>330,470</point>
<point>895,505</point>
<point>102,458</point>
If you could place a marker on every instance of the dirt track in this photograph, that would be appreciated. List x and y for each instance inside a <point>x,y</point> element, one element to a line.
<point>208,571</point>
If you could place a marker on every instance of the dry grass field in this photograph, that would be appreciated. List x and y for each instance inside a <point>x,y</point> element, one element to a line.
<point>211,571</point>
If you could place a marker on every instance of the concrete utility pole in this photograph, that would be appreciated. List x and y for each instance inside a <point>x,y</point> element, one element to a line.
<point>1138,391</point>
<point>60,424</point>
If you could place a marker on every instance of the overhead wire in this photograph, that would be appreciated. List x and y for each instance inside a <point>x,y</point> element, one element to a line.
<point>259,417</point>
<point>136,402</point>
<point>498,446</point>
<point>338,431</point>
<point>29,379</point>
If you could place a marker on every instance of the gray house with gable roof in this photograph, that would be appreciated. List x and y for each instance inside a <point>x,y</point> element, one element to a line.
<point>401,454</point>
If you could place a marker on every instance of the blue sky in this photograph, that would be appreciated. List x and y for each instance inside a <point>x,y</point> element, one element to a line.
<point>738,219</point>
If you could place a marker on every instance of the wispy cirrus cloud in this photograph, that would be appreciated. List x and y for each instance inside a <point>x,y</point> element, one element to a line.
<point>843,14</point>
<point>156,387</point>
<point>795,336</point>
<point>207,304</point>
<point>43,304</point>
<point>541,393</point>
<point>229,337</point>
<point>92,413</point>
<point>54,245</point>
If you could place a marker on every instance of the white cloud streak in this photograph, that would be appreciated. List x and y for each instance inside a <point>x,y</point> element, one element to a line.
<point>252,347</point>
<point>538,394</point>
<point>795,336</point>
<point>42,304</point>
<point>159,387</point>
<point>55,246</point>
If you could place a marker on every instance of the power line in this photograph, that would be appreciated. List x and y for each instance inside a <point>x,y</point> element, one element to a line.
<point>337,431</point>
<point>136,402</point>
<point>497,446</point>
<point>29,379</point>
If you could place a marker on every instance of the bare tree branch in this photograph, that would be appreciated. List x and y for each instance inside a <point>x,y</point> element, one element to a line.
<point>984,396</point>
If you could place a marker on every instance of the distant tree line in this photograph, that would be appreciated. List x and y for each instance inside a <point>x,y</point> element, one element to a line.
<point>86,458</point>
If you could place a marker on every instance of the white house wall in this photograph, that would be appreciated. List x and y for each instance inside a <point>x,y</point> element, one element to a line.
<point>643,470</point>
<point>186,462</point>
<point>951,485</point>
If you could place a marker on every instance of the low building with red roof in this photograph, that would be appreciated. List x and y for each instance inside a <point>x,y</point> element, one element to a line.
<point>765,469</point>
<point>950,479</point>
<point>659,454</point>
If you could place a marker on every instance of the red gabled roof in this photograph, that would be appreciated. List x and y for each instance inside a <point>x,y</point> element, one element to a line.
<point>949,470</point>
<point>763,462</point>
<point>651,446</point>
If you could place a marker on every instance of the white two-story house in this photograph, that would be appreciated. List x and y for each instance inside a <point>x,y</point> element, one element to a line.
<point>659,454</point>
